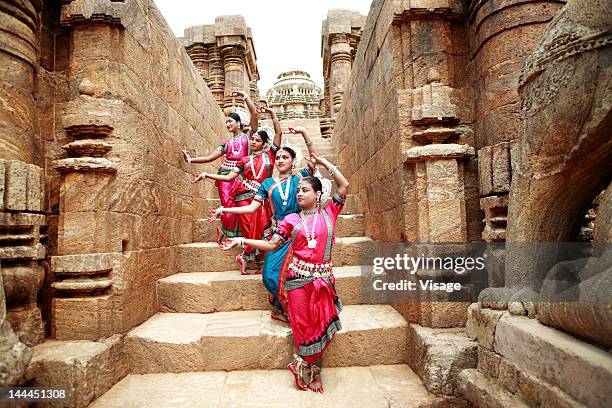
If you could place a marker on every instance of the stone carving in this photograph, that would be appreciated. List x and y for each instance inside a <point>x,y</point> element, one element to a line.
<point>562,154</point>
<point>224,54</point>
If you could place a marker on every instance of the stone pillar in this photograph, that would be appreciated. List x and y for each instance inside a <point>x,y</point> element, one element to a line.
<point>254,89</point>
<point>340,70</point>
<point>441,205</point>
<point>22,204</point>
<point>216,79</point>
<point>234,69</point>
<point>341,33</point>
<point>225,49</point>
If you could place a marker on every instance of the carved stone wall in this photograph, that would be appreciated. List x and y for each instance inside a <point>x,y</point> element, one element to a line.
<point>122,101</point>
<point>225,57</point>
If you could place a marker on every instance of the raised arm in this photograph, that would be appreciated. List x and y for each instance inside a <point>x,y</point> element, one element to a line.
<point>266,246</point>
<point>278,132</point>
<point>204,159</point>
<point>248,209</point>
<point>341,181</point>
<point>251,107</point>
<point>219,177</point>
<point>302,131</point>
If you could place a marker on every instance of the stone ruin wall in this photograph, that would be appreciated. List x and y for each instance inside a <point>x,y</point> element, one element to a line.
<point>427,123</point>
<point>99,96</point>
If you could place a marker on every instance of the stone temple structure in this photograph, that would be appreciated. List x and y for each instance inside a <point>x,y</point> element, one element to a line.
<point>340,36</point>
<point>476,121</point>
<point>225,56</point>
<point>294,96</point>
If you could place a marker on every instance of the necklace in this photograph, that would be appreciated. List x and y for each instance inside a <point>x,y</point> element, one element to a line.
<point>264,164</point>
<point>233,145</point>
<point>310,238</point>
<point>284,194</point>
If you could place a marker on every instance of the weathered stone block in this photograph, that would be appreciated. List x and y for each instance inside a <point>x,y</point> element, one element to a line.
<point>88,318</point>
<point>22,283</point>
<point>482,323</point>
<point>87,369</point>
<point>585,372</point>
<point>16,185</point>
<point>27,324</point>
<point>486,393</point>
<point>439,355</point>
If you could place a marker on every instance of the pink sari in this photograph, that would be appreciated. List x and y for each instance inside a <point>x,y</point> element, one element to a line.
<point>234,150</point>
<point>306,282</point>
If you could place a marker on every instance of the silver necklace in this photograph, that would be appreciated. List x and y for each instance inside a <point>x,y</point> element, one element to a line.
<point>284,194</point>
<point>263,165</point>
<point>233,144</point>
<point>310,238</point>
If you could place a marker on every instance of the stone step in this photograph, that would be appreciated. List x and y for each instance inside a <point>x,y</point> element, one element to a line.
<point>484,392</point>
<point>438,355</point>
<point>185,342</point>
<point>207,257</point>
<point>373,386</point>
<point>207,292</point>
<point>347,225</point>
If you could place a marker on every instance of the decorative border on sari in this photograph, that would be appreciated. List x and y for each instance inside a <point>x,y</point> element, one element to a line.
<point>320,344</point>
<point>244,196</point>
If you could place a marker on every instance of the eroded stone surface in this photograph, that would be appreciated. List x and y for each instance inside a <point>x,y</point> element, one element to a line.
<point>374,386</point>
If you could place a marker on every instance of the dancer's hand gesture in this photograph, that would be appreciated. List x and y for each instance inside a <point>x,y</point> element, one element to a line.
<point>186,154</point>
<point>199,177</point>
<point>218,212</point>
<point>297,130</point>
<point>314,159</point>
<point>230,243</point>
<point>263,109</point>
<point>241,94</point>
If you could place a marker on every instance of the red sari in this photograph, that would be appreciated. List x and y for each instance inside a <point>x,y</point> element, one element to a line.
<point>306,281</point>
<point>254,169</point>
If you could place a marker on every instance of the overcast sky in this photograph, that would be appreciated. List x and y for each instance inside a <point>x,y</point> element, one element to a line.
<point>286,33</point>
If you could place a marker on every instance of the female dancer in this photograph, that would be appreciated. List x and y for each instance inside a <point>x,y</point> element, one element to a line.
<point>234,149</point>
<point>281,192</point>
<point>313,305</point>
<point>254,169</point>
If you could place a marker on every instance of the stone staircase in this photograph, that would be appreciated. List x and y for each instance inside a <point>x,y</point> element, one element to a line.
<point>213,342</point>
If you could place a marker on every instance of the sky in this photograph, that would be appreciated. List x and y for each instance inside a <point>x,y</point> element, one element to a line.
<point>286,33</point>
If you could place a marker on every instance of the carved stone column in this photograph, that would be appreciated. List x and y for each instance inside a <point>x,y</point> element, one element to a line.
<point>340,70</point>
<point>21,190</point>
<point>234,69</point>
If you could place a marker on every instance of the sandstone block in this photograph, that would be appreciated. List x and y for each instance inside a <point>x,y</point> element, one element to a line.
<point>438,355</point>
<point>86,368</point>
<point>585,372</point>
<point>486,393</point>
<point>88,318</point>
<point>16,185</point>
<point>27,324</point>
<point>481,324</point>
<point>21,284</point>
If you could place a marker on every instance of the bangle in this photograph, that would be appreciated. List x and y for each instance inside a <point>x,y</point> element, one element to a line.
<point>309,143</point>
<point>332,170</point>
<point>204,174</point>
<point>242,242</point>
